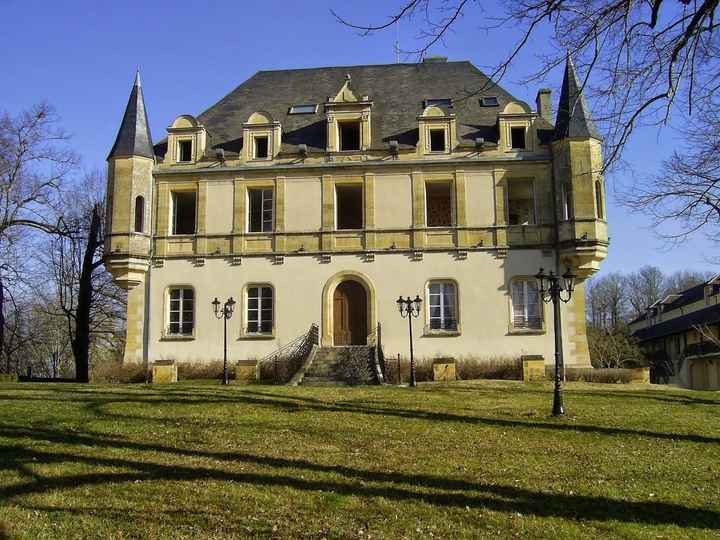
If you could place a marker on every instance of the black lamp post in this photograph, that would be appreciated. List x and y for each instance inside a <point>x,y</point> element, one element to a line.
<point>554,288</point>
<point>224,312</point>
<point>410,308</point>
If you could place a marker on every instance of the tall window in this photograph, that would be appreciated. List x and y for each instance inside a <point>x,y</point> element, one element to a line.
<point>261,147</point>
<point>183,212</point>
<point>139,213</point>
<point>442,303</point>
<point>526,307</point>
<point>259,309</point>
<point>349,132</point>
<point>517,138</point>
<point>184,151</point>
<point>349,204</point>
<point>567,205</point>
<point>438,204</point>
<point>181,313</point>
<point>521,202</point>
<point>437,140</point>
<point>260,210</point>
<point>599,200</point>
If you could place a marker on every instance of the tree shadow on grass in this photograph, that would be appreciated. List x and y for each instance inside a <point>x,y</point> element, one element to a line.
<point>296,403</point>
<point>308,476</point>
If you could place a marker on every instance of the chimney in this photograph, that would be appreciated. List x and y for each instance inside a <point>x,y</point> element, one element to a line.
<point>543,102</point>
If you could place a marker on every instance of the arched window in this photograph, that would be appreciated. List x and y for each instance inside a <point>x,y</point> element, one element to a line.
<point>599,200</point>
<point>139,213</point>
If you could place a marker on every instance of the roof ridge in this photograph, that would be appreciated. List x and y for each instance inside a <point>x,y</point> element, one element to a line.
<point>368,65</point>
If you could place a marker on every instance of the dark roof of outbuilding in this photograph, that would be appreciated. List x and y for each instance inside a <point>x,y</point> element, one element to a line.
<point>708,315</point>
<point>396,90</point>
<point>133,138</point>
<point>573,116</point>
<point>688,296</point>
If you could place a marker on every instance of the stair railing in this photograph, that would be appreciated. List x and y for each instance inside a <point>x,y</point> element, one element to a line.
<point>280,365</point>
<point>374,341</point>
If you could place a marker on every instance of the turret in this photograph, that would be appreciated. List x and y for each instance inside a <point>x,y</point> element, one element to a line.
<point>128,227</point>
<point>579,185</point>
<point>129,193</point>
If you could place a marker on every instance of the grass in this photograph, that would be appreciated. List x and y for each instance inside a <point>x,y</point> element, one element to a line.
<point>480,459</point>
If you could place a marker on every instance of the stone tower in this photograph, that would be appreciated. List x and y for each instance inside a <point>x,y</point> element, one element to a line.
<point>580,200</point>
<point>128,228</point>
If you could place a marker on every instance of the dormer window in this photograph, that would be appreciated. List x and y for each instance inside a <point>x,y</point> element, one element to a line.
<point>185,151</point>
<point>187,139</point>
<point>437,140</point>
<point>349,132</point>
<point>517,138</point>
<point>261,147</point>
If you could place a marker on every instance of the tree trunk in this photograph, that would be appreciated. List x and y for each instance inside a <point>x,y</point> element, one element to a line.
<point>6,367</point>
<point>81,343</point>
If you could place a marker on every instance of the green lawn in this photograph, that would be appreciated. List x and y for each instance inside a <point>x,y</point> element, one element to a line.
<point>477,459</point>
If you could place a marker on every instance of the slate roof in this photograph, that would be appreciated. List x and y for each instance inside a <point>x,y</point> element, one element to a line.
<point>688,296</point>
<point>396,90</point>
<point>708,315</point>
<point>133,138</point>
<point>573,116</point>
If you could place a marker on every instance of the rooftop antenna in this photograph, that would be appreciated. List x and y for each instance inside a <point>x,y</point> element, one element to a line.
<point>397,41</point>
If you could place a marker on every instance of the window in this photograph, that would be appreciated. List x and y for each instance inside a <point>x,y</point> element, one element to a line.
<point>567,207</point>
<point>440,102</point>
<point>184,151</point>
<point>517,138</point>
<point>526,312</point>
<point>521,202</point>
<point>183,214</point>
<point>181,312</point>
<point>599,200</point>
<point>349,204</point>
<point>261,147</point>
<point>309,108</point>
<point>442,303</point>
<point>437,140</point>
<point>438,204</point>
<point>489,101</point>
<point>349,133</point>
<point>259,309</point>
<point>260,210</point>
<point>139,213</point>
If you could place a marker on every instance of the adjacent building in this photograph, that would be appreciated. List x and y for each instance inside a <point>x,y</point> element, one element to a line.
<point>680,333</point>
<point>318,196</point>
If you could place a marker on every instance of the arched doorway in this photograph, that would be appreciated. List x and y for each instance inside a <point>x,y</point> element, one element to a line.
<point>350,314</point>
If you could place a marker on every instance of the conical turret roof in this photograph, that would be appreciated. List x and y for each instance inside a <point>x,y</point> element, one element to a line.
<point>573,117</point>
<point>133,138</point>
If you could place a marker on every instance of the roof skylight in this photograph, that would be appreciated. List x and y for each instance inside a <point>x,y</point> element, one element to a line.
<point>438,102</point>
<point>489,101</point>
<point>305,108</point>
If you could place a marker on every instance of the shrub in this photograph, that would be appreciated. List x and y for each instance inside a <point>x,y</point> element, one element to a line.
<point>591,375</point>
<point>116,371</point>
<point>466,368</point>
<point>202,370</point>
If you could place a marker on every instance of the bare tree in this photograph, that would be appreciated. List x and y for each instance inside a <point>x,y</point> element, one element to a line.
<point>645,63</point>
<point>684,279</point>
<point>607,300</point>
<point>34,166</point>
<point>645,287</point>
<point>84,293</point>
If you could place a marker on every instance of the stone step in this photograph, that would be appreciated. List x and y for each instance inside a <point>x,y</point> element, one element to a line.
<point>321,381</point>
<point>327,362</point>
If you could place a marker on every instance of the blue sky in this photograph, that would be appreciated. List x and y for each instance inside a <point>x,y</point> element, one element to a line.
<point>81,57</point>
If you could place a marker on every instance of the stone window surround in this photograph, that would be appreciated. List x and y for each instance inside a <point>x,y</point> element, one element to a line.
<point>165,334</point>
<point>512,330</point>
<point>507,122</point>
<point>427,331</point>
<point>336,113</point>
<point>243,313</point>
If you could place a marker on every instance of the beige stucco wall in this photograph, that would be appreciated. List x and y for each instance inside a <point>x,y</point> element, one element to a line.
<point>479,188</point>
<point>303,204</point>
<point>484,307</point>
<point>219,217</point>
<point>393,201</point>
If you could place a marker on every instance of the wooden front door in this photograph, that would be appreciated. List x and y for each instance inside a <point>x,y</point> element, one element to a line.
<point>350,314</point>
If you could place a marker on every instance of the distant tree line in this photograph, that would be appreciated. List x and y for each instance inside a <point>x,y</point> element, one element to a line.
<point>613,300</point>
<point>59,309</point>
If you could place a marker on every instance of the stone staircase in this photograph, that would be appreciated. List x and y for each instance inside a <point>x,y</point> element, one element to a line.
<point>324,368</point>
